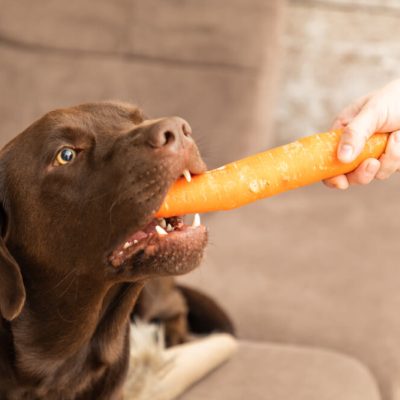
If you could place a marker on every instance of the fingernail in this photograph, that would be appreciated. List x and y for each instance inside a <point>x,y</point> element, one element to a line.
<point>397,137</point>
<point>346,152</point>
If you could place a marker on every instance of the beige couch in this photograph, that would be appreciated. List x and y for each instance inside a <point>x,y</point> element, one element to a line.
<point>310,277</point>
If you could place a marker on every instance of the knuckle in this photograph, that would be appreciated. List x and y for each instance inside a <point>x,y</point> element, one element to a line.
<point>388,165</point>
<point>381,176</point>
<point>354,135</point>
<point>354,179</point>
<point>350,133</point>
<point>385,171</point>
<point>363,136</point>
<point>360,177</point>
<point>395,155</point>
<point>365,180</point>
<point>393,149</point>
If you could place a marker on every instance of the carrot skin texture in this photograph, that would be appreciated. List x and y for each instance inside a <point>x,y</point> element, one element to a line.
<point>303,162</point>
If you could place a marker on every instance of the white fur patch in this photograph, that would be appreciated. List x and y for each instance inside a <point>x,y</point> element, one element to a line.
<point>156,373</point>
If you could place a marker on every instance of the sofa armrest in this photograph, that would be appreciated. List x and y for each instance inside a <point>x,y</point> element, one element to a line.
<point>280,372</point>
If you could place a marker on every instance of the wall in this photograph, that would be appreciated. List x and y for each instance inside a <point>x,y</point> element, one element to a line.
<point>336,51</point>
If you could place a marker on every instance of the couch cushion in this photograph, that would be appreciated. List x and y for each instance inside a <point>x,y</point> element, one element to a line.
<point>314,267</point>
<point>205,32</point>
<point>274,372</point>
<point>204,61</point>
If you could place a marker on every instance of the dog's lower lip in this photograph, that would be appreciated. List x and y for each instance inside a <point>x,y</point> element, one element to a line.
<point>158,228</point>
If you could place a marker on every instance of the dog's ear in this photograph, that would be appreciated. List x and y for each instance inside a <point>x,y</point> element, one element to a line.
<point>12,289</point>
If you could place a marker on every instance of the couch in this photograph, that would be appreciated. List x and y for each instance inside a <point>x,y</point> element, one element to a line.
<point>310,277</point>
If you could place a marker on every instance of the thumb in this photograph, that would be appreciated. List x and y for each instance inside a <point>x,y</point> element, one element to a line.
<point>356,133</point>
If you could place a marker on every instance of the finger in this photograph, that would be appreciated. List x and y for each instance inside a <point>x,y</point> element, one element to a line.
<point>338,124</point>
<point>364,173</point>
<point>356,133</point>
<point>337,182</point>
<point>390,160</point>
<point>349,112</point>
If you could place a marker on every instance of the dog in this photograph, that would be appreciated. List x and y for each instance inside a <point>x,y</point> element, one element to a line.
<point>81,252</point>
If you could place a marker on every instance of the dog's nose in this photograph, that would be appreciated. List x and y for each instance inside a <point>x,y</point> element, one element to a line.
<point>168,133</point>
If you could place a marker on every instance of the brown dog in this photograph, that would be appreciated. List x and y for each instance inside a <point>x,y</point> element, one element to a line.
<point>79,189</point>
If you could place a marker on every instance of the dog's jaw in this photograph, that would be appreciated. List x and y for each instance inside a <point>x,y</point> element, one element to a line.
<point>170,242</point>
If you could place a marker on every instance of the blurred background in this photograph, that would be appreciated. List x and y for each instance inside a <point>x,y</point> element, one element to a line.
<point>314,268</point>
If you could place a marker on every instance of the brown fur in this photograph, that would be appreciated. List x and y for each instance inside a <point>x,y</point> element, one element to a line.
<point>64,324</point>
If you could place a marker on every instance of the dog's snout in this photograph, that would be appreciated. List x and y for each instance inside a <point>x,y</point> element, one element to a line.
<point>168,133</point>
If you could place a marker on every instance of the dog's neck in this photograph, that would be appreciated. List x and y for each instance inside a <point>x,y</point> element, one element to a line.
<point>79,325</point>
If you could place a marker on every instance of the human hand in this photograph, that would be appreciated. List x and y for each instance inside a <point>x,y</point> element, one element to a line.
<point>378,111</point>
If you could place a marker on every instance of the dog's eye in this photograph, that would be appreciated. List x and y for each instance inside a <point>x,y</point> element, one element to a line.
<point>65,156</point>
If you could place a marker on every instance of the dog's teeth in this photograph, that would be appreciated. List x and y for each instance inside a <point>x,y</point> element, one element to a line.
<point>187,175</point>
<point>196,221</point>
<point>170,228</point>
<point>160,231</point>
<point>135,241</point>
<point>163,223</point>
<point>127,244</point>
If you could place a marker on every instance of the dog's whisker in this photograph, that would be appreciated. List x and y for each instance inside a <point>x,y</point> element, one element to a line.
<point>65,277</point>
<point>63,318</point>
<point>74,278</point>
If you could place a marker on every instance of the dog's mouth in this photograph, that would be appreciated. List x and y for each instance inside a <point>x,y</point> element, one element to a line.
<point>159,232</point>
<point>175,246</point>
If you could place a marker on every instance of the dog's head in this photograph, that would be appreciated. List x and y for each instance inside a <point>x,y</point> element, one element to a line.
<point>79,189</point>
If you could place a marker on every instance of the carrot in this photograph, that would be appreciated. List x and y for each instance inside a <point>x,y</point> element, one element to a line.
<point>303,162</point>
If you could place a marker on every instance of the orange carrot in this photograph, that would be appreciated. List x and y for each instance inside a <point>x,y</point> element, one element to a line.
<point>306,161</point>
